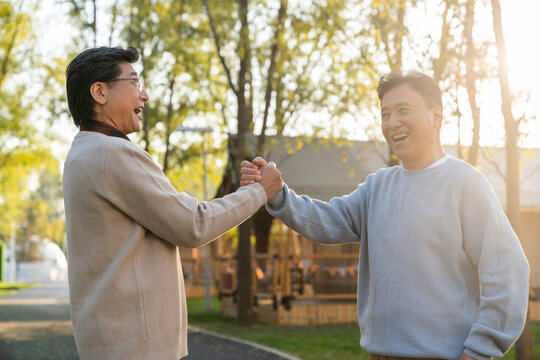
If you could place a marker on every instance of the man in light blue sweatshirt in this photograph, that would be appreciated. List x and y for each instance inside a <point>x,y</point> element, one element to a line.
<point>442,275</point>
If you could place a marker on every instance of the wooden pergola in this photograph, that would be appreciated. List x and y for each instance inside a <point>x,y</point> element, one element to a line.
<point>297,282</point>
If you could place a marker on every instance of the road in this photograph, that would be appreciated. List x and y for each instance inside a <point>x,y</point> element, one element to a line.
<point>35,324</point>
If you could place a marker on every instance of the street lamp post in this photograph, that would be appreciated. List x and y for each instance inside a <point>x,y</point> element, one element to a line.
<point>12,250</point>
<point>207,268</point>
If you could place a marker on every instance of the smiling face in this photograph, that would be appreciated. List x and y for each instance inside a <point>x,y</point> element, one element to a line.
<point>411,128</point>
<point>120,103</point>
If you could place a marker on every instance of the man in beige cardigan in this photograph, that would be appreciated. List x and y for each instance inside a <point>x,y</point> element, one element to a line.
<point>125,221</point>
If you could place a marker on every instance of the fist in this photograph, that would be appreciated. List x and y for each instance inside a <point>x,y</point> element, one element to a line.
<point>249,173</point>
<point>265,173</point>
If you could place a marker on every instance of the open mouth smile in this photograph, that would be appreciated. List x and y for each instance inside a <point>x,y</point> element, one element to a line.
<point>400,137</point>
<point>138,110</point>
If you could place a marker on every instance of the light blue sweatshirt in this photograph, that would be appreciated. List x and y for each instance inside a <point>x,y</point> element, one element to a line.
<point>441,271</point>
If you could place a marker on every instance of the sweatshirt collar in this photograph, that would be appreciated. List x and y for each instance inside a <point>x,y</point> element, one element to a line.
<point>103,128</point>
<point>435,164</point>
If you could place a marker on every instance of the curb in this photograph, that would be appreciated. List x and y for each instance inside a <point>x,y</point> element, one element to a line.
<point>282,354</point>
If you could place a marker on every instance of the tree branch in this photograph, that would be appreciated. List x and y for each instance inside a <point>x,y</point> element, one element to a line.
<point>489,157</point>
<point>271,70</point>
<point>218,48</point>
<point>168,123</point>
<point>114,12</point>
<point>5,61</point>
<point>439,63</point>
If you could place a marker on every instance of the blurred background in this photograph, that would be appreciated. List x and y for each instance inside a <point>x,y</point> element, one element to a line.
<point>292,80</point>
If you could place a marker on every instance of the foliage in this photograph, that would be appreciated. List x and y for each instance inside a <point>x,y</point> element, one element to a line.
<point>187,171</point>
<point>321,58</point>
<point>6,288</point>
<point>257,68</point>
<point>24,155</point>
<point>44,211</point>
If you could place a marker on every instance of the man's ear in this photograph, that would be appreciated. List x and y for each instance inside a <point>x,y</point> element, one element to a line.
<point>436,112</point>
<point>99,92</point>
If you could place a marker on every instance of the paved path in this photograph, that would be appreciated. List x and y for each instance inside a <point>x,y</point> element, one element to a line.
<point>211,346</point>
<point>35,324</point>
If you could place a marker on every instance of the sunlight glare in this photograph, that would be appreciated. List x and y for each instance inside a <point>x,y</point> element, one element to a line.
<point>521,26</point>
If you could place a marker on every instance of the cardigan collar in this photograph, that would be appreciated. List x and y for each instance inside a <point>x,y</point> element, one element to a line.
<point>103,128</point>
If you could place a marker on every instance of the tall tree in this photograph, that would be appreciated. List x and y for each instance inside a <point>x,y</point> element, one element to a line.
<point>84,14</point>
<point>262,221</point>
<point>441,61</point>
<point>44,208</point>
<point>239,148</point>
<point>470,82</point>
<point>455,67</point>
<point>141,33</point>
<point>272,77</point>
<point>388,20</point>
<point>524,343</point>
<point>21,146</point>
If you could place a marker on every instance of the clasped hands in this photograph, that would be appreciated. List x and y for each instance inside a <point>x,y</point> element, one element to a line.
<point>264,173</point>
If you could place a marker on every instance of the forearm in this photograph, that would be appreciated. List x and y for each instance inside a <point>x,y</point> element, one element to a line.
<point>213,218</point>
<point>321,222</point>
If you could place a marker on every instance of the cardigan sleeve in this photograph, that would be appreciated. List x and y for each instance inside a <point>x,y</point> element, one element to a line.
<point>137,186</point>
<point>335,222</point>
<point>503,271</point>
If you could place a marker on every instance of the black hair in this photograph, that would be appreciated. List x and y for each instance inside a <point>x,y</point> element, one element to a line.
<point>422,83</point>
<point>89,67</point>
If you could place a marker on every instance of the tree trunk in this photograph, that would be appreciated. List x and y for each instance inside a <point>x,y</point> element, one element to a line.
<point>470,81</point>
<point>262,222</point>
<point>145,127</point>
<point>400,34</point>
<point>524,343</point>
<point>244,271</point>
<point>458,115</point>
<point>93,25</point>
<point>396,61</point>
<point>270,74</point>
<point>7,51</point>
<point>238,149</point>
<point>439,63</point>
<point>168,125</point>
<point>245,304</point>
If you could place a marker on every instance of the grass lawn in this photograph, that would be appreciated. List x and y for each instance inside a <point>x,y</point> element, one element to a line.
<point>307,342</point>
<point>8,287</point>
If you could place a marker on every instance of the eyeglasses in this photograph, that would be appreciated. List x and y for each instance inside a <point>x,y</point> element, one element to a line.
<point>139,80</point>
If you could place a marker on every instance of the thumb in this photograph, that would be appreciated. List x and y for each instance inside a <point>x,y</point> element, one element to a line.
<point>259,161</point>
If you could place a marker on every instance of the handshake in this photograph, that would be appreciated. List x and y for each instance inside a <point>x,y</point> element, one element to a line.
<point>264,173</point>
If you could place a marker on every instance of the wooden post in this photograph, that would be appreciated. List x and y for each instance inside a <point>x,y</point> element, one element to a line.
<point>286,264</point>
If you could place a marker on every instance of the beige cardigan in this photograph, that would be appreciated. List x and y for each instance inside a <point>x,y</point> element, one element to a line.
<point>124,223</point>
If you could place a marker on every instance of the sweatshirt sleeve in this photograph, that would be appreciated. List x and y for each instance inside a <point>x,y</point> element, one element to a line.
<point>503,271</point>
<point>137,186</point>
<point>334,222</point>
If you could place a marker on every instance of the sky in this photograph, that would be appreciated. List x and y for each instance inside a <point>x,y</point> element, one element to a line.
<point>520,25</point>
